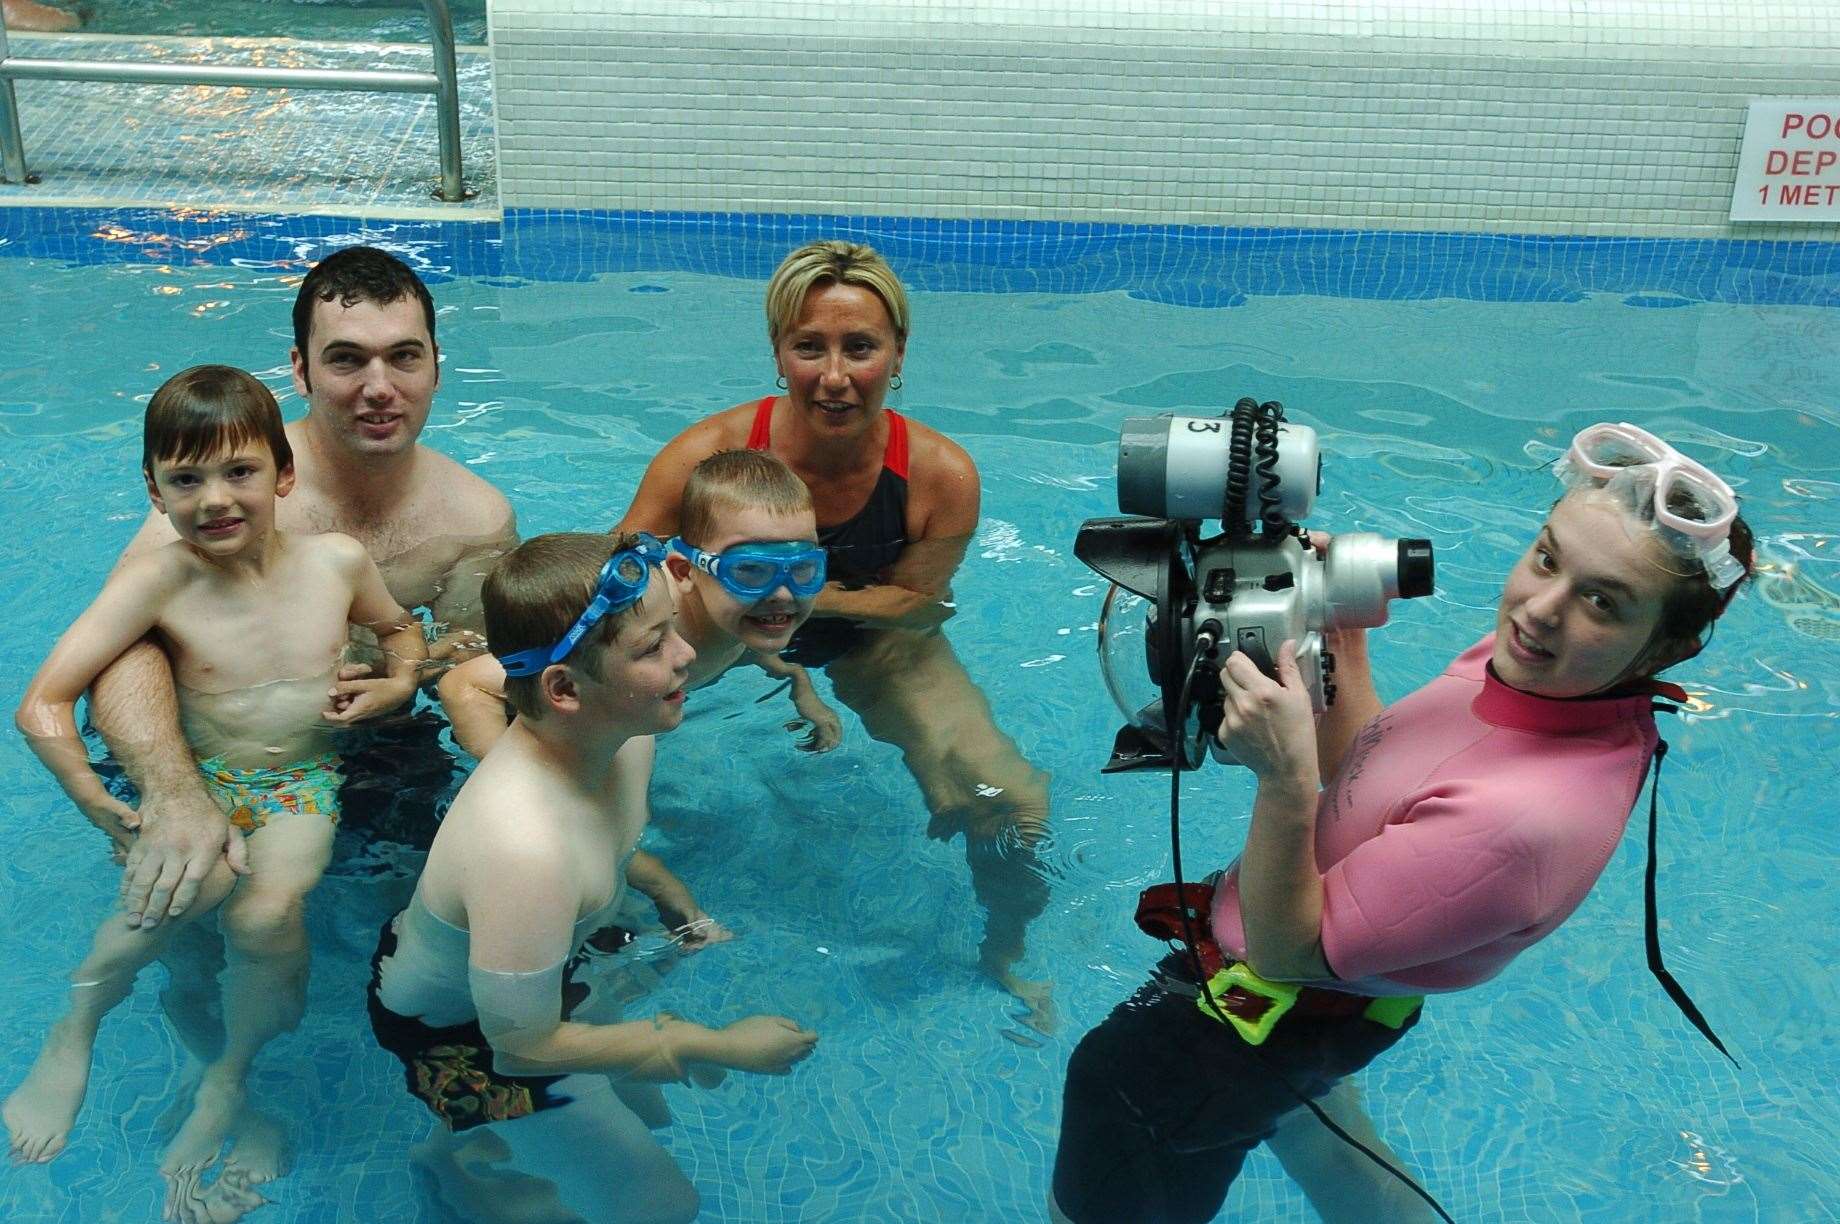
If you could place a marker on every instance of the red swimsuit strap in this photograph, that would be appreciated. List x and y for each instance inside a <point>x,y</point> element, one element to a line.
<point>894,455</point>
<point>758,437</point>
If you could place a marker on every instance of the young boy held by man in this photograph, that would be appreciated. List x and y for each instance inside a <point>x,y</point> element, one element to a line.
<point>256,621</point>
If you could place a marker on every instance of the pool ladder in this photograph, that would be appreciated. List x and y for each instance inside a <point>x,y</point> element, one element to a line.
<point>442,83</point>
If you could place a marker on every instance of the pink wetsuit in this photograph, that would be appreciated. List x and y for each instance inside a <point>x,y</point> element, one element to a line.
<point>1467,822</point>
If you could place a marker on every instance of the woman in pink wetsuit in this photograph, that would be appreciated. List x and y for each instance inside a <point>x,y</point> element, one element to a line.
<point>1456,828</point>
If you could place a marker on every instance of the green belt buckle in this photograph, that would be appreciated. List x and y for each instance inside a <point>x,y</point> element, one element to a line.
<point>1283,996</point>
<point>1393,1010</point>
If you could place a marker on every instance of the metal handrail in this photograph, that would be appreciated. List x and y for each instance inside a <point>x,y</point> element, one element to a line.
<point>443,83</point>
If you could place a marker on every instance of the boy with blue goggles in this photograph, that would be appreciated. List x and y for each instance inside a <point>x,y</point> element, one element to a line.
<point>621,584</point>
<point>752,571</point>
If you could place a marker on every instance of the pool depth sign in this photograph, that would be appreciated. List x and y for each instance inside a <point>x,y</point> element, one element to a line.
<point>1789,165</point>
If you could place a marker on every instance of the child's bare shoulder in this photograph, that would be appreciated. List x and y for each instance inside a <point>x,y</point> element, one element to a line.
<point>155,573</point>
<point>332,547</point>
<point>332,552</point>
<point>508,813</point>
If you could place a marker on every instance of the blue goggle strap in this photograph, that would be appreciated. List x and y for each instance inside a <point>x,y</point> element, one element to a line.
<point>612,593</point>
<point>696,556</point>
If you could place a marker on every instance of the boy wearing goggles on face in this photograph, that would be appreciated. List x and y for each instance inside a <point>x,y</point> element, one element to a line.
<point>747,567</point>
<point>745,571</point>
<point>475,985</point>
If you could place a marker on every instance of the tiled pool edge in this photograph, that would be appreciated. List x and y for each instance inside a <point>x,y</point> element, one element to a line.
<point>1201,266</point>
<point>1503,116</point>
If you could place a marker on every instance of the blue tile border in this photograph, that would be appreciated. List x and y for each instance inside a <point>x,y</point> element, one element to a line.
<point>1182,265</point>
<point>190,237</point>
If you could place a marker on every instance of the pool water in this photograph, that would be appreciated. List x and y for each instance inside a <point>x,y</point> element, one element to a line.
<point>331,20</point>
<point>1567,1089</point>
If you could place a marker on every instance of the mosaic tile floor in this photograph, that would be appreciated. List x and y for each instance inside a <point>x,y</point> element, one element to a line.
<point>359,154</point>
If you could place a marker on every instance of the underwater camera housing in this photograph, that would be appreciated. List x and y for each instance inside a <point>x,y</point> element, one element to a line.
<point>1255,586</point>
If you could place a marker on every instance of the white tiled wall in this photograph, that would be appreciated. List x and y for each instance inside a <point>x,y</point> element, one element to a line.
<point>1524,116</point>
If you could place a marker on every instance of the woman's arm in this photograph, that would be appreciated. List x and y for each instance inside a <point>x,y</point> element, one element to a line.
<point>945,498</point>
<point>1356,700</point>
<point>915,595</point>
<point>657,506</point>
<point>1268,727</point>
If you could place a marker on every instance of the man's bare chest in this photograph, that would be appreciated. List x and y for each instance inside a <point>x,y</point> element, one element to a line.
<point>406,542</point>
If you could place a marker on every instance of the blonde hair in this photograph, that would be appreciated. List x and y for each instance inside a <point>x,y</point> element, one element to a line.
<point>536,593</point>
<point>832,261</point>
<point>734,480</point>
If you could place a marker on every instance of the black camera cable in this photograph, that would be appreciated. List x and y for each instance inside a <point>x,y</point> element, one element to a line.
<point>1173,723</point>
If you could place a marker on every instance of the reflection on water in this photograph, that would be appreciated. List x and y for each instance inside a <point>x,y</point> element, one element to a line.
<point>362,20</point>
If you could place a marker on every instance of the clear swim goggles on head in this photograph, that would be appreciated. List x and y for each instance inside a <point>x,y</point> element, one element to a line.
<point>621,584</point>
<point>1688,506</point>
<point>750,572</point>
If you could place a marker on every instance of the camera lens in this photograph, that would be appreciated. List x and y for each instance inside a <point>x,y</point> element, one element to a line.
<point>1416,570</point>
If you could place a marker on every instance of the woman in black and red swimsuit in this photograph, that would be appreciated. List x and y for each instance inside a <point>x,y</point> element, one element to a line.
<point>897,504</point>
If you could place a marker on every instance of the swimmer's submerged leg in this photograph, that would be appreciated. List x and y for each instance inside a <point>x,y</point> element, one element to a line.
<point>1010,883</point>
<point>41,1111</point>
<point>264,978</point>
<point>260,1152</point>
<point>461,1171</point>
<point>1344,1186</point>
<point>224,1201</point>
<point>910,690</point>
<point>591,1159</point>
<point>194,963</point>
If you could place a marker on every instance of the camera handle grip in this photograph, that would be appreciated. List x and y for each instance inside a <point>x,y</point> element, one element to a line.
<point>1250,641</point>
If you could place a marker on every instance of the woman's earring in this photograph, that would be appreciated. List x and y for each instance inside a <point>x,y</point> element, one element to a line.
<point>894,384</point>
<point>780,382</point>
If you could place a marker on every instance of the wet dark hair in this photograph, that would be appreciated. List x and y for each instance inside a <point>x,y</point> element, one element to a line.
<point>358,274</point>
<point>1693,604</point>
<point>207,410</point>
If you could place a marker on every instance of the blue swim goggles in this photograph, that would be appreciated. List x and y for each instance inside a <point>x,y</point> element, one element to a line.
<point>751,572</point>
<point>621,584</point>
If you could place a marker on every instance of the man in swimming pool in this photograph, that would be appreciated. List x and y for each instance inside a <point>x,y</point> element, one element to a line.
<point>366,362</point>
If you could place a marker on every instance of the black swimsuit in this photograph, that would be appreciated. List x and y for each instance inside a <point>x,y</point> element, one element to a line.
<point>859,551</point>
